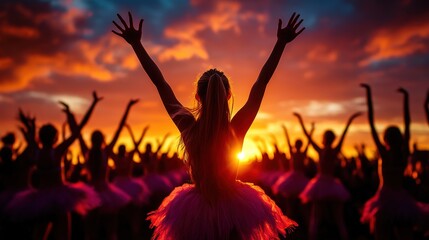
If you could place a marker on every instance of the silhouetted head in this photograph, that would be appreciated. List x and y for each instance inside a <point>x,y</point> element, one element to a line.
<point>48,135</point>
<point>203,84</point>
<point>328,138</point>
<point>9,138</point>
<point>148,147</point>
<point>121,150</point>
<point>97,139</point>
<point>393,137</point>
<point>298,144</point>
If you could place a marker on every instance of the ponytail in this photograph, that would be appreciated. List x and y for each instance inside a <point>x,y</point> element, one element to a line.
<point>208,142</point>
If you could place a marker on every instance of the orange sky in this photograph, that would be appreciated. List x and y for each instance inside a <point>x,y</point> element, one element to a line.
<point>63,50</point>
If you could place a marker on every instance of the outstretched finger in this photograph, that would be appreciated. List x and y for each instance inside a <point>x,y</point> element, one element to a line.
<point>117,25</point>
<point>297,25</point>
<point>279,26</point>
<point>291,19</point>
<point>122,20</point>
<point>130,17</point>
<point>65,105</point>
<point>140,25</point>
<point>119,34</point>
<point>366,86</point>
<point>295,20</point>
<point>300,31</point>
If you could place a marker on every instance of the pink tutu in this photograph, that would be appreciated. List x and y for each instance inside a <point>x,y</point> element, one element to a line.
<point>135,188</point>
<point>248,212</point>
<point>290,184</point>
<point>5,197</point>
<point>324,188</point>
<point>158,184</point>
<point>268,178</point>
<point>392,204</point>
<point>34,203</point>
<point>176,177</point>
<point>112,198</point>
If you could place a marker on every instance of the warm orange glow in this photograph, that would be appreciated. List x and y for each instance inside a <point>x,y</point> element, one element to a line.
<point>241,157</point>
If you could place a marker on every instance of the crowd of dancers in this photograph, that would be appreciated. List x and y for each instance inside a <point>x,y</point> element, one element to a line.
<point>152,194</point>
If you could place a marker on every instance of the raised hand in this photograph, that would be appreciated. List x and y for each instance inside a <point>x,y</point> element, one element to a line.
<point>289,33</point>
<point>127,31</point>
<point>366,86</point>
<point>132,102</point>
<point>28,129</point>
<point>357,114</point>
<point>66,108</point>
<point>403,91</point>
<point>95,97</point>
<point>297,115</point>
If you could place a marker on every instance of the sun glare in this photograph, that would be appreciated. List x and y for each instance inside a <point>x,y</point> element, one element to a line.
<point>242,157</point>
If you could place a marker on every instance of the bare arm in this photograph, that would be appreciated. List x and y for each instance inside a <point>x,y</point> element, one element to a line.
<point>28,130</point>
<point>75,128</point>
<point>95,100</point>
<point>161,143</point>
<point>407,120</point>
<point>308,135</point>
<point>245,116</point>
<point>374,133</point>
<point>287,140</point>
<point>112,143</point>
<point>311,136</point>
<point>138,142</point>
<point>340,143</point>
<point>180,115</point>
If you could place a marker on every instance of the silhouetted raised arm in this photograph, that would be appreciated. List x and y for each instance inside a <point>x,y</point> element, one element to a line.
<point>180,115</point>
<point>311,135</point>
<point>112,143</point>
<point>28,130</point>
<point>75,132</point>
<point>137,142</point>
<point>308,135</point>
<point>407,120</point>
<point>340,142</point>
<point>287,140</point>
<point>374,133</point>
<point>95,100</point>
<point>76,128</point>
<point>245,116</point>
<point>161,143</point>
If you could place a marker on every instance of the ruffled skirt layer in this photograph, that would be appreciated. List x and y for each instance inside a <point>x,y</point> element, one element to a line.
<point>290,184</point>
<point>248,213</point>
<point>35,203</point>
<point>135,188</point>
<point>394,205</point>
<point>112,198</point>
<point>324,188</point>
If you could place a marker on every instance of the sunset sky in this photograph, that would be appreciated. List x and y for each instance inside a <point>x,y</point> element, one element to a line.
<point>63,50</point>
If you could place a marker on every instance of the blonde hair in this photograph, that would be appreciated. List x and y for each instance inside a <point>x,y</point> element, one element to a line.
<point>209,142</point>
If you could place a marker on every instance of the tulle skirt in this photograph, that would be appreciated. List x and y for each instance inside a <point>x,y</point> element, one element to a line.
<point>35,203</point>
<point>6,197</point>
<point>290,184</point>
<point>112,198</point>
<point>157,183</point>
<point>394,205</point>
<point>248,213</point>
<point>177,177</point>
<point>135,188</point>
<point>324,188</point>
